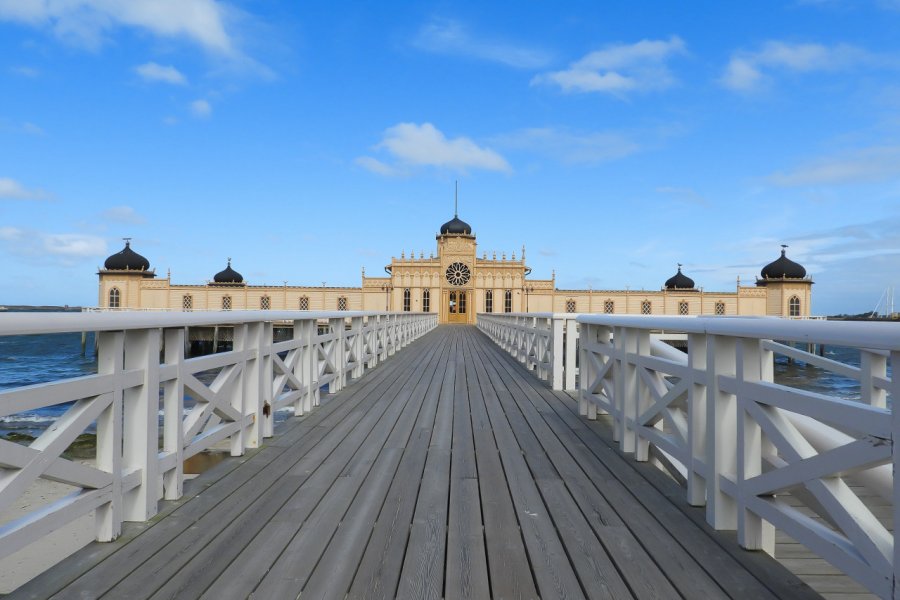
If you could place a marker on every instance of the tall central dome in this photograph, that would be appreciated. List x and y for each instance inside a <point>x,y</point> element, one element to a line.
<point>456,225</point>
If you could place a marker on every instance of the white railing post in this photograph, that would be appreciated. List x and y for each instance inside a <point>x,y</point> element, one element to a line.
<point>872,366</point>
<point>336,329</point>
<point>626,386</point>
<point>721,427</point>
<point>140,431</point>
<point>237,393</point>
<point>358,344</point>
<point>753,532</point>
<point>557,353</point>
<point>588,334</point>
<point>697,414</point>
<point>571,353</point>
<point>266,414</point>
<point>173,414</point>
<point>641,400</point>
<point>305,368</point>
<point>110,361</point>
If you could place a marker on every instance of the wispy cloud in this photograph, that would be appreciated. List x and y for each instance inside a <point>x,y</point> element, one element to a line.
<point>861,166</point>
<point>123,214</point>
<point>13,190</point>
<point>86,22</point>
<point>154,72</point>
<point>56,248</point>
<point>747,71</point>
<point>619,69</point>
<point>570,146</point>
<point>411,145</point>
<point>201,109</point>
<point>29,72</point>
<point>446,36</point>
<point>685,195</point>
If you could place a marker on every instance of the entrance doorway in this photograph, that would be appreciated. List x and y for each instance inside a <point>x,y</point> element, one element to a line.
<point>457,307</point>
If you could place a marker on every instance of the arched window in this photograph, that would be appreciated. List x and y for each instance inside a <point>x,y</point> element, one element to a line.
<point>462,303</point>
<point>342,303</point>
<point>426,300</point>
<point>187,303</point>
<point>226,302</point>
<point>452,303</point>
<point>720,308</point>
<point>115,298</point>
<point>683,308</point>
<point>794,306</point>
<point>609,307</point>
<point>265,303</point>
<point>646,307</point>
<point>304,302</point>
<point>570,306</point>
<point>507,301</point>
<point>406,300</point>
<point>489,301</point>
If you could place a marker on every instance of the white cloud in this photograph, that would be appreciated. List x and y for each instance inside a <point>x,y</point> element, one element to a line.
<point>86,21</point>
<point>55,248</point>
<point>862,166</point>
<point>201,108</point>
<point>12,189</point>
<point>376,166</point>
<point>746,71</point>
<point>451,37</point>
<point>154,72</point>
<point>569,146</point>
<point>685,195</point>
<point>29,72</point>
<point>123,214</point>
<point>73,245</point>
<point>619,69</point>
<point>413,145</point>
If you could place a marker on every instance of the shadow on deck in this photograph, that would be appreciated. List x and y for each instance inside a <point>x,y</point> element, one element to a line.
<point>448,472</point>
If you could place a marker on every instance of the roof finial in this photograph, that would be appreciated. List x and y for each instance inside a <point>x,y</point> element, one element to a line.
<point>127,241</point>
<point>679,267</point>
<point>229,261</point>
<point>456,201</point>
<point>783,249</point>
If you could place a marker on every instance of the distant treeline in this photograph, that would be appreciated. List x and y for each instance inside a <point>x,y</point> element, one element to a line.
<point>26,308</point>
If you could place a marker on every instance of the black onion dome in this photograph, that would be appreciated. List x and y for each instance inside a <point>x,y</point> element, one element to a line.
<point>127,259</point>
<point>456,225</point>
<point>783,268</point>
<point>229,275</point>
<point>679,281</point>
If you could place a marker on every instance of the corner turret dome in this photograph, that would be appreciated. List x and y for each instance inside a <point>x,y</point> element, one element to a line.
<point>456,225</point>
<point>127,259</point>
<point>783,268</point>
<point>228,275</point>
<point>680,281</point>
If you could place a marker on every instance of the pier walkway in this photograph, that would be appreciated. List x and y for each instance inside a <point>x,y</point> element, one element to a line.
<point>448,472</point>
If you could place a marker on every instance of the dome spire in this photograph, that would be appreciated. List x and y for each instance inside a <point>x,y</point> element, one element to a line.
<point>456,201</point>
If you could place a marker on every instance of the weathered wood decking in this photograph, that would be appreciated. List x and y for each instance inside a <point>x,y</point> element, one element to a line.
<point>450,472</point>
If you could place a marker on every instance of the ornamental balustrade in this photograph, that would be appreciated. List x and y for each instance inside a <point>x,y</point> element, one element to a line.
<point>136,402</point>
<point>740,442</point>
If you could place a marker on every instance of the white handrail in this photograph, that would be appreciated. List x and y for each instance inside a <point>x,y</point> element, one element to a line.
<point>741,439</point>
<point>141,353</point>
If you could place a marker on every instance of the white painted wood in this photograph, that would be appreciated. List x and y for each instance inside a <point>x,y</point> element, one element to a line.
<point>123,398</point>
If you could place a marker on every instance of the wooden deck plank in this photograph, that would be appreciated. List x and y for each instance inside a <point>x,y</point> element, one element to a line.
<point>554,574</point>
<point>467,575</point>
<point>732,568</point>
<point>448,472</point>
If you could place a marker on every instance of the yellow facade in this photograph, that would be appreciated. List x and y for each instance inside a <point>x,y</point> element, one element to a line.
<point>454,282</point>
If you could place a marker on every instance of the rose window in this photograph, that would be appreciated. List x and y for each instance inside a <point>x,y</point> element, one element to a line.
<point>458,274</point>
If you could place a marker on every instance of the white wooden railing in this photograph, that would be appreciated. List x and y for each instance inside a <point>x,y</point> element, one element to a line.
<point>142,372</point>
<point>545,342</point>
<point>738,440</point>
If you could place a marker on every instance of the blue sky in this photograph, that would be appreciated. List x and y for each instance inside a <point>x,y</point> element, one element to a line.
<point>308,140</point>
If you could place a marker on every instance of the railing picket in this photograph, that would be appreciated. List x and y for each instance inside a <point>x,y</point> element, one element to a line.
<point>110,360</point>
<point>140,432</point>
<point>173,415</point>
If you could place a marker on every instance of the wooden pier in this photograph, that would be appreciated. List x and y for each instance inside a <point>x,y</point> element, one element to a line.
<point>447,472</point>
